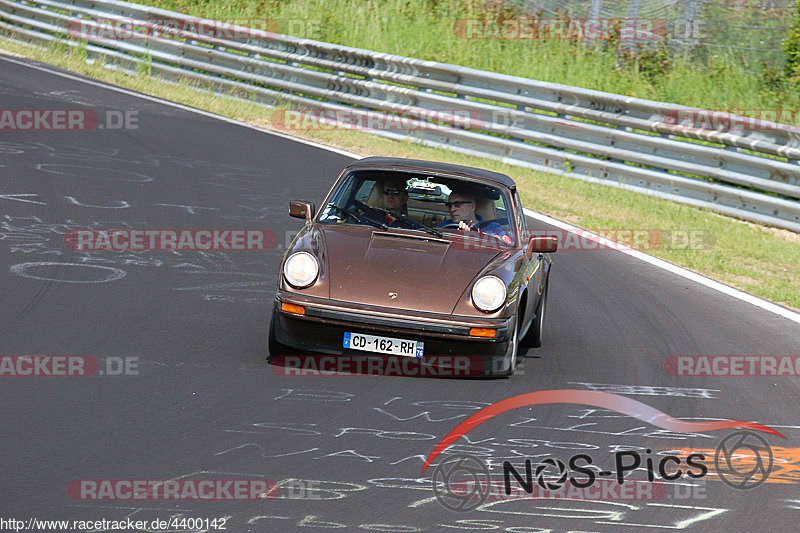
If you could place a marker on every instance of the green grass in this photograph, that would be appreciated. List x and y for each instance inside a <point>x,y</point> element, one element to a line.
<point>759,260</point>
<point>424,29</point>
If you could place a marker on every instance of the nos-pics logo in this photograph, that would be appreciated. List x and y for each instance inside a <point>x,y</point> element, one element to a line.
<point>463,482</point>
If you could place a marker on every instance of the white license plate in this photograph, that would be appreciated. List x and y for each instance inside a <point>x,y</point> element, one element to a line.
<point>373,343</point>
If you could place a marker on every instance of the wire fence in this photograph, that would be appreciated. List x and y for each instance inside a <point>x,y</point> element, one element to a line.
<point>751,31</point>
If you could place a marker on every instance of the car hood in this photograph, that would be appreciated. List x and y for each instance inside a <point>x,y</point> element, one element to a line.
<point>400,268</point>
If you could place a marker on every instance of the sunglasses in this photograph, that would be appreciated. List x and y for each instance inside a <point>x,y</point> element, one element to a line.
<point>396,192</point>
<point>457,204</point>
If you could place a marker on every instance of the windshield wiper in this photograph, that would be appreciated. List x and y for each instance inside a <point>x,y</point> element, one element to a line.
<point>428,229</point>
<point>374,222</point>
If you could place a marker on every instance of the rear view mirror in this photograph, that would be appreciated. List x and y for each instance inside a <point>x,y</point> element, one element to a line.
<point>301,210</point>
<point>430,189</point>
<point>542,244</point>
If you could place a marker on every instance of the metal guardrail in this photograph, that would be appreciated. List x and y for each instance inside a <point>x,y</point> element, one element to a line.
<point>599,137</point>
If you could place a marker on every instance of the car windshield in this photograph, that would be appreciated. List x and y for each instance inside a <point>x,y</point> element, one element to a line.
<point>442,206</point>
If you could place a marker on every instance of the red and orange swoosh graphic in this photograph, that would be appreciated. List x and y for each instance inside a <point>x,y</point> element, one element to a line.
<point>604,400</point>
<point>785,470</point>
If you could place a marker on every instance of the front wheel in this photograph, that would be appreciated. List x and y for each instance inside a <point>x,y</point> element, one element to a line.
<point>534,336</point>
<point>513,348</point>
<point>275,347</point>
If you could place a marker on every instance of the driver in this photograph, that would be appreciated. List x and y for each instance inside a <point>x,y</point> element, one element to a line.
<point>462,207</point>
<point>395,203</point>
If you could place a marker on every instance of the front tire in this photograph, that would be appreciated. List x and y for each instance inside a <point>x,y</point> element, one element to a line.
<point>275,347</point>
<point>514,347</point>
<point>534,335</point>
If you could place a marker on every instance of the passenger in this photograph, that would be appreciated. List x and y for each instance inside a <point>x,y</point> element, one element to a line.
<point>462,207</point>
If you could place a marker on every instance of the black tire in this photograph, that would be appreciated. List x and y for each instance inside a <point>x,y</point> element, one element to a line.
<point>512,359</point>
<point>275,347</point>
<point>534,336</point>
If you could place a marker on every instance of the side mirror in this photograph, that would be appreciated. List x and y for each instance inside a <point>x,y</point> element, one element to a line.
<point>541,244</point>
<point>301,210</point>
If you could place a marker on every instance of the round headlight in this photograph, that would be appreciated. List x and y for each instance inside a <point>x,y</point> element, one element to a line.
<point>301,269</point>
<point>489,293</point>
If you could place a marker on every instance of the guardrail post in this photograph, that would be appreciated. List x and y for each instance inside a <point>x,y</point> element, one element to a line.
<point>688,25</point>
<point>594,12</point>
<point>632,21</point>
<point>594,9</point>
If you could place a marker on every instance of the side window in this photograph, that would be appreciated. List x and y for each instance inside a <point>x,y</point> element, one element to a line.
<point>502,212</point>
<point>520,215</point>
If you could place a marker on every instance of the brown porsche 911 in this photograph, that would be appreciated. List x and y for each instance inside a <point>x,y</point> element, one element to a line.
<point>414,259</point>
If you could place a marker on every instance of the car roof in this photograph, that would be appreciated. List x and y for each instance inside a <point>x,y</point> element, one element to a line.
<point>416,165</point>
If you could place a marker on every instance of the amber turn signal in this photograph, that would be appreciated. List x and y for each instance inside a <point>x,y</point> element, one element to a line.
<point>481,332</point>
<point>292,308</point>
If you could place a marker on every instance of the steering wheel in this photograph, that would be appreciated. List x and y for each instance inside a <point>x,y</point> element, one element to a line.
<point>380,213</point>
<point>449,225</point>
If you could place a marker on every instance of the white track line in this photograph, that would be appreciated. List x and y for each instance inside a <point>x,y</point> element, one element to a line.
<point>659,263</point>
<point>665,265</point>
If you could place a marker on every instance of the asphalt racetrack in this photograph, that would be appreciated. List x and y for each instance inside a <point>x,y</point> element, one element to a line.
<point>200,401</point>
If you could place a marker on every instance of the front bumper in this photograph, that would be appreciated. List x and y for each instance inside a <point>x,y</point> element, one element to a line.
<point>322,327</point>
